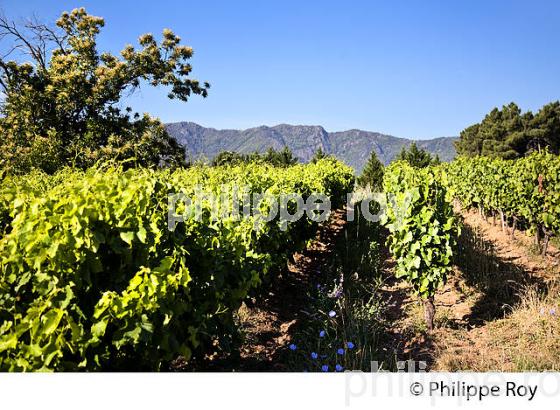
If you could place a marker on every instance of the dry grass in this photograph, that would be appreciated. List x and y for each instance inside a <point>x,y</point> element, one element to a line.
<point>526,340</point>
<point>499,311</point>
<point>514,324</point>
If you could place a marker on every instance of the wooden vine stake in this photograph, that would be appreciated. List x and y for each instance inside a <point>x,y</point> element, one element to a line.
<point>502,218</point>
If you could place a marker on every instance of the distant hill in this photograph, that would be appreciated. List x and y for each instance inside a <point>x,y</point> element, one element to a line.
<point>353,146</point>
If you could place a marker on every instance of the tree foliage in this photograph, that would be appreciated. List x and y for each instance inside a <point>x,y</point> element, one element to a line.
<point>416,157</point>
<point>319,155</point>
<point>508,133</point>
<point>372,174</point>
<point>283,158</point>
<point>62,96</point>
<point>229,158</point>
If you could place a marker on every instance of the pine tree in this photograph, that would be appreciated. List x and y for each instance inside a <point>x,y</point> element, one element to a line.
<point>319,154</point>
<point>372,175</point>
<point>282,158</point>
<point>508,133</point>
<point>416,157</point>
<point>228,158</point>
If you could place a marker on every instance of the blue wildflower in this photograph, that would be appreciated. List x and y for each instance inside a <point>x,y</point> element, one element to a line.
<point>350,345</point>
<point>314,355</point>
<point>339,368</point>
<point>322,333</point>
<point>552,311</point>
<point>340,351</point>
<point>332,313</point>
<point>293,347</point>
<point>324,368</point>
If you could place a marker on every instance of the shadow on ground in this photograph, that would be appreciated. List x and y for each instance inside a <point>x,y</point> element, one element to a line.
<point>484,287</point>
<point>500,280</point>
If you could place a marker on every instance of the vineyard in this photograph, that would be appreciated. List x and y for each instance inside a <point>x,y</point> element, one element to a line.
<point>93,277</point>
<point>524,193</point>
<point>278,205</point>
<point>423,229</point>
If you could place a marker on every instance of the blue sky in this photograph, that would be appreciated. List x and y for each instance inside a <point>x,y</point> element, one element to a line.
<point>415,69</point>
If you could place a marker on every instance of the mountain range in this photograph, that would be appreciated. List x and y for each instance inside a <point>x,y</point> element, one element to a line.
<point>352,146</point>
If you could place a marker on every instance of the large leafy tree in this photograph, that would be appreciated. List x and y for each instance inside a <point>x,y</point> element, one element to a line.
<point>61,96</point>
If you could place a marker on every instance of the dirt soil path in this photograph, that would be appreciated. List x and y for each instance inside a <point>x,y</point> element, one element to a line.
<point>490,280</point>
<point>269,323</point>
